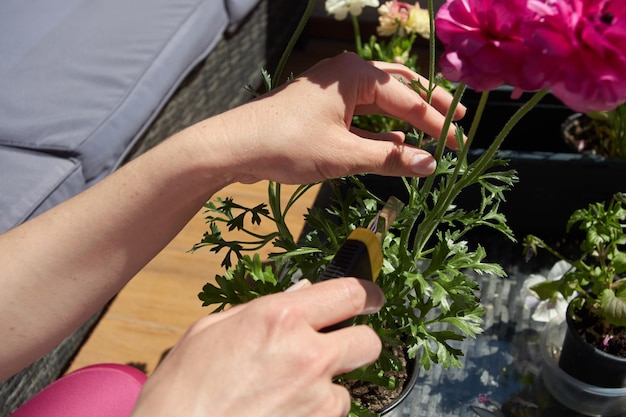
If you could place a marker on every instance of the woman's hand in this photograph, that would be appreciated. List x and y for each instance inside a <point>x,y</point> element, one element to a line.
<point>301,133</point>
<point>267,357</point>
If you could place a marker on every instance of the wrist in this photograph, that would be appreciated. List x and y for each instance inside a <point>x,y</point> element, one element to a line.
<point>227,147</point>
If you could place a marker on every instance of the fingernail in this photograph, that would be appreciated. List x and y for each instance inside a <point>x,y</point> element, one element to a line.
<point>300,284</point>
<point>375,301</point>
<point>423,164</point>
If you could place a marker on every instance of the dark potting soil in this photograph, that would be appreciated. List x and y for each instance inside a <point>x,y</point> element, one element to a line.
<point>599,333</point>
<point>374,397</point>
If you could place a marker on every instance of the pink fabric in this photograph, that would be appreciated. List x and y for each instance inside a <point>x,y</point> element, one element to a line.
<point>106,390</point>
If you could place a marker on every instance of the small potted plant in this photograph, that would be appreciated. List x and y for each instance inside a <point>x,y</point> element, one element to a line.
<point>597,313</point>
<point>601,133</point>
<point>584,346</point>
<point>431,301</point>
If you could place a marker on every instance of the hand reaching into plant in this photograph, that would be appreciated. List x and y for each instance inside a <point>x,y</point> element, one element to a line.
<point>301,132</point>
<point>267,358</point>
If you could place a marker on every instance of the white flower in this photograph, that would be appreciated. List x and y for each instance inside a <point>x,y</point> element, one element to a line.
<point>546,310</point>
<point>341,8</point>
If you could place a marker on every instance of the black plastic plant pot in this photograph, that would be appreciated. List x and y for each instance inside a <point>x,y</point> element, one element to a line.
<point>413,371</point>
<point>587,363</point>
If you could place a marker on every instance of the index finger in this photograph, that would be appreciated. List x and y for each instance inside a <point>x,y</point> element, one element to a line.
<point>395,99</point>
<point>333,301</point>
<point>441,99</point>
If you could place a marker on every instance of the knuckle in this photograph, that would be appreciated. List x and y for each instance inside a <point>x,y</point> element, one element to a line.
<point>349,58</point>
<point>352,293</point>
<point>394,159</point>
<point>315,364</point>
<point>279,317</point>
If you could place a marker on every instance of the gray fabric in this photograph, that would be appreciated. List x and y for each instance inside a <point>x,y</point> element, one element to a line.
<point>32,182</point>
<point>82,77</point>
<point>237,11</point>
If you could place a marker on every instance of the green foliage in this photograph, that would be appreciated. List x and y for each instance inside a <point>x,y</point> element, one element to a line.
<point>431,301</point>
<point>250,279</point>
<point>397,49</point>
<point>597,274</point>
<point>237,217</point>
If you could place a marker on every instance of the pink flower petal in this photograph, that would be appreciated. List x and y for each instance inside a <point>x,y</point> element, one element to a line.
<point>577,48</point>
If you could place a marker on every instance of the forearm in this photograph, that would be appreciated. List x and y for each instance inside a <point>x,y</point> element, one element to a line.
<point>62,266</point>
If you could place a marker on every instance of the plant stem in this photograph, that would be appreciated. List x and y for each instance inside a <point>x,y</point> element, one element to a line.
<point>488,155</point>
<point>357,34</point>
<point>431,44</point>
<point>441,141</point>
<point>273,193</point>
<point>300,191</point>
<point>474,171</point>
<point>279,214</point>
<point>292,42</point>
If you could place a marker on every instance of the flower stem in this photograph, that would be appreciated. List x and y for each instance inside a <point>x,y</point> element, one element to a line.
<point>274,191</point>
<point>292,42</point>
<point>431,43</point>
<point>473,171</point>
<point>488,155</point>
<point>357,35</point>
<point>617,122</point>
<point>441,141</point>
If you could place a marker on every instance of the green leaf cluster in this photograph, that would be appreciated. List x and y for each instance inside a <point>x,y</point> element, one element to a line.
<point>431,301</point>
<point>250,279</point>
<point>597,273</point>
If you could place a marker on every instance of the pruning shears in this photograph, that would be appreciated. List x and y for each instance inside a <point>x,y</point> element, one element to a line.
<point>361,255</point>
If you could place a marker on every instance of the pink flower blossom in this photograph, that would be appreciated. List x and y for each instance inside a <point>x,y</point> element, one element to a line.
<point>482,42</point>
<point>576,48</point>
<point>580,47</point>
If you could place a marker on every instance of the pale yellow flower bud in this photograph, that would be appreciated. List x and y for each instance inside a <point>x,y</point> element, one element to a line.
<point>418,22</point>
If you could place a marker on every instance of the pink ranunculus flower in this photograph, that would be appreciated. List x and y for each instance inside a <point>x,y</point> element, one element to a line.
<point>483,46</point>
<point>580,47</point>
<point>576,48</point>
